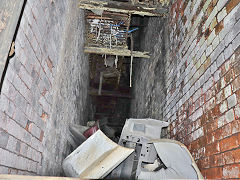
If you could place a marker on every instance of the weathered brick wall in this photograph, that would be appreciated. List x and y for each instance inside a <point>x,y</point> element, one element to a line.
<point>44,90</point>
<point>149,74</point>
<point>203,83</point>
<point>196,85</point>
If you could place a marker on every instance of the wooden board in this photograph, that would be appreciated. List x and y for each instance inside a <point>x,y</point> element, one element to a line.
<point>122,7</point>
<point>9,15</point>
<point>119,52</point>
<point>20,177</point>
<point>94,92</point>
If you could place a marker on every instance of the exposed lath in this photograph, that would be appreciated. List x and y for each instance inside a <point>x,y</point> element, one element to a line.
<point>123,7</point>
<point>107,27</point>
<point>107,24</point>
<point>108,30</point>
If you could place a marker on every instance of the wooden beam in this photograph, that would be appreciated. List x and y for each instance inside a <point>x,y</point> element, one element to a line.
<point>9,15</point>
<point>122,7</point>
<point>118,52</point>
<point>20,177</point>
<point>94,92</point>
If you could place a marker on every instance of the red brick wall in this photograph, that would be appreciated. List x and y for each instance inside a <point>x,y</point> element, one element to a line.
<point>203,83</point>
<point>28,81</point>
<point>33,139</point>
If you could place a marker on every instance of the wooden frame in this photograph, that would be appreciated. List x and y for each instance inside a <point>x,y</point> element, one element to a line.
<point>118,52</point>
<point>9,16</point>
<point>21,177</point>
<point>122,7</point>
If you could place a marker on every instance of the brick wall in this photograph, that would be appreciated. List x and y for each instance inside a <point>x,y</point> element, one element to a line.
<point>44,90</point>
<point>196,85</point>
<point>149,74</point>
<point>203,83</point>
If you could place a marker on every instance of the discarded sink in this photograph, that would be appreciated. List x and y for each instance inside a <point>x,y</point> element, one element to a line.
<point>95,158</point>
<point>177,160</point>
<point>137,134</point>
<point>153,158</point>
<point>141,130</point>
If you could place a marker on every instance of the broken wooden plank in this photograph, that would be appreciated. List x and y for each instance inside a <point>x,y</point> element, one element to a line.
<point>122,7</point>
<point>9,15</point>
<point>21,177</point>
<point>117,94</point>
<point>118,52</point>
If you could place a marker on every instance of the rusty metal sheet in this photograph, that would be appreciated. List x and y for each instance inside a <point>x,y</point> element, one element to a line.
<point>9,15</point>
<point>95,158</point>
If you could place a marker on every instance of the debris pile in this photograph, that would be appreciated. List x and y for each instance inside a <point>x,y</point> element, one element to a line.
<point>139,154</point>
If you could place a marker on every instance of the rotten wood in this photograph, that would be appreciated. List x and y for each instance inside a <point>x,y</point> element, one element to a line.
<point>122,7</point>
<point>20,177</point>
<point>118,52</point>
<point>9,15</point>
<point>151,3</point>
<point>94,92</point>
<point>108,30</point>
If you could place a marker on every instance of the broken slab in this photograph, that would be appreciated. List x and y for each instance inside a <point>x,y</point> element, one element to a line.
<point>178,162</point>
<point>95,158</point>
<point>138,134</point>
<point>141,130</point>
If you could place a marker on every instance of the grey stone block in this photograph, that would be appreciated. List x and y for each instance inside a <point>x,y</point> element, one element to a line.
<point>4,170</point>
<point>236,42</point>
<point>27,138</point>
<point>21,37</point>
<point>24,149</point>
<point>228,38</point>
<point>35,131</point>
<point>18,146</point>
<point>228,52</point>
<point>236,28</point>
<point>229,116</point>
<point>10,74</point>
<point>27,79</point>
<point>4,136</point>
<point>21,118</point>
<point>15,63</point>
<point>4,103</point>
<point>232,101</point>
<point>11,109</point>
<point>220,48</point>
<point>35,45</point>
<point>5,87</point>
<point>20,102</point>
<point>237,15</point>
<point>220,60</point>
<point>213,67</point>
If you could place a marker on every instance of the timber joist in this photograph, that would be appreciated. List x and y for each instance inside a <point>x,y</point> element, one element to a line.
<point>122,7</point>
<point>118,52</point>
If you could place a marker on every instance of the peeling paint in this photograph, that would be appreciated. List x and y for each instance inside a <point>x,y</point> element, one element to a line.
<point>3,21</point>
